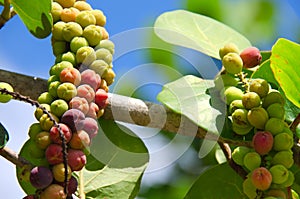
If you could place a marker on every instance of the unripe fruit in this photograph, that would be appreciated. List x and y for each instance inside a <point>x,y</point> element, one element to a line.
<point>52,78</point>
<point>232,63</point>
<point>228,48</point>
<point>276,193</point>
<point>234,105</point>
<point>283,141</point>
<point>259,86</point>
<point>284,158</point>
<point>290,181</point>
<point>261,178</point>
<point>78,42</point>
<point>66,3</point>
<point>228,94</point>
<point>57,30</point>
<point>258,117</point>
<point>57,68</point>
<point>220,81</point>
<point>66,91</point>
<point>54,154</point>
<point>262,142</point>
<point>241,130</point>
<point>252,160</point>
<point>251,100</point>
<point>279,173</point>
<point>46,123</point>
<point>93,34</point>
<point>69,14</point>
<point>71,30</point>
<point>100,17</point>
<point>85,18</point>
<point>239,153</point>
<point>54,191</point>
<point>249,189</point>
<point>39,112</point>
<point>55,135</point>
<point>69,57</point>
<point>105,55</point>
<point>275,126</point>
<point>45,98</point>
<point>56,11</point>
<point>34,129</point>
<point>71,75</point>
<point>251,57</point>
<point>107,44</point>
<point>99,66</point>
<point>82,5</point>
<point>41,177</point>
<point>59,107</point>
<point>34,150</point>
<point>273,97</point>
<point>239,117</point>
<point>85,55</point>
<point>276,110</point>
<point>58,171</point>
<point>42,139</point>
<point>59,47</point>
<point>52,89</point>
<point>76,159</point>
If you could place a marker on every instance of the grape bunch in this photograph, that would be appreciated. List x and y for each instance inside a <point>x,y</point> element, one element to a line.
<point>77,96</point>
<point>256,111</point>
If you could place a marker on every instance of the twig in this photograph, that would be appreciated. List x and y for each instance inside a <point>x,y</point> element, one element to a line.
<point>13,157</point>
<point>295,123</point>
<point>7,13</point>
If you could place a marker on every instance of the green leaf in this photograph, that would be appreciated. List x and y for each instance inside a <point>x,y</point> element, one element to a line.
<point>4,137</point>
<point>285,66</point>
<point>217,182</point>
<point>198,32</point>
<point>116,164</point>
<point>36,15</point>
<point>1,2</point>
<point>23,172</point>
<point>196,99</point>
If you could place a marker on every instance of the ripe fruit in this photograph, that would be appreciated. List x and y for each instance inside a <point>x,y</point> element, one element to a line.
<point>86,91</point>
<point>262,142</point>
<point>251,57</point>
<point>101,97</point>
<point>258,117</point>
<point>54,191</point>
<point>69,14</point>
<point>79,103</point>
<point>276,110</point>
<point>251,100</point>
<point>232,63</point>
<point>41,177</point>
<point>259,86</point>
<point>71,75</point>
<point>252,160</point>
<point>54,154</point>
<point>228,48</point>
<point>72,185</point>
<point>93,111</point>
<point>80,140</point>
<point>55,136</point>
<point>90,126</point>
<point>58,171</point>
<point>66,91</point>
<point>76,159</point>
<point>91,78</point>
<point>73,118</point>
<point>283,141</point>
<point>261,178</point>
<point>228,94</point>
<point>279,173</point>
<point>284,158</point>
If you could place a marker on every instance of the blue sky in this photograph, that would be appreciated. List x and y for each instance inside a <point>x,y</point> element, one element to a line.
<point>21,52</point>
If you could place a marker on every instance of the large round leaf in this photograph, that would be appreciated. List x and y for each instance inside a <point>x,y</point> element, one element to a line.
<point>3,136</point>
<point>198,32</point>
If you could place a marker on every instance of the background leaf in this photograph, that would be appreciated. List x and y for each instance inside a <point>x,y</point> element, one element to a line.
<point>286,68</point>
<point>217,182</point>
<point>39,22</point>
<point>4,137</point>
<point>198,32</point>
<point>116,164</point>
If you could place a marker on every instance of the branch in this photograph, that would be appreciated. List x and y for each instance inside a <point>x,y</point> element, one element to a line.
<point>7,13</point>
<point>13,157</point>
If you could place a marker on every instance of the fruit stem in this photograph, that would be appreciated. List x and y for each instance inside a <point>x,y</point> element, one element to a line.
<point>81,185</point>
<point>7,13</point>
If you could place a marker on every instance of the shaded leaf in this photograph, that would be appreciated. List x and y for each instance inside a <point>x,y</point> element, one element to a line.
<point>217,182</point>
<point>116,164</point>
<point>35,14</point>
<point>286,68</point>
<point>198,32</point>
<point>4,137</point>
<point>196,99</point>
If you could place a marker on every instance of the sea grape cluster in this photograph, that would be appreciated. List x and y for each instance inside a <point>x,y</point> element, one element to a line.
<point>256,111</point>
<point>76,97</point>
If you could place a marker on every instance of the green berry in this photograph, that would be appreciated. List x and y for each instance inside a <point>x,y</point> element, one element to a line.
<point>276,110</point>
<point>71,30</point>
<point>82,5</point>
<point>290,181</point>
<point>251,100</point>
<point>66,3</point>
<point>4,98</point>
<point>228,94</point>
<point>249,189</point>
<point>69,57</point>
<point>283,141</point>
<point>228,48</point>
<point>252,160</point>
<point>39,112</point>
<point>107,44</point>
<point>239,117</point>
<point>259,86</point>
<point>241,130</point>
<point>57,30</point>
<point>45,98</point>
<point>232,63</point>
<point>105,55</point>
<point>85,18</point>
<point>66,91</point>
<point>235,104</point>
<point>93,34</point>
<point>85,55</point>
<point>100,17</point>
<point>78,42</point>
<point>284,158</point>
<point>238,154</point>
<point>273,97</point>
<point>57,68</point>
<point>275,126</point>
<point>52,78</point>
<point>34,129</point>
<point>258,117</point>
<point>52,88</point>
<point>56,11</point>
<point>59,107</point>
<point>99,66</point>
<point>279,173</point>
<point>59,47</point>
